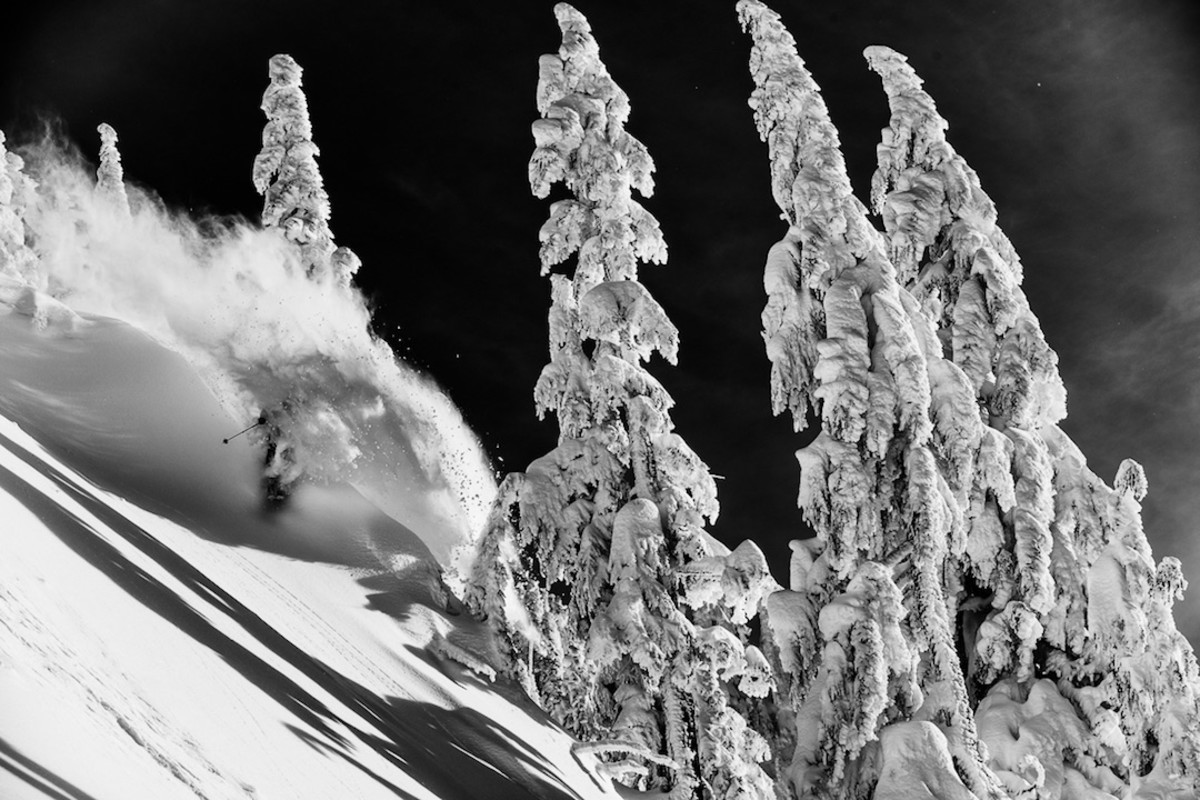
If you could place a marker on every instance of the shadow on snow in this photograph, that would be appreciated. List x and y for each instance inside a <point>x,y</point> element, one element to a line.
<point>454,752</point>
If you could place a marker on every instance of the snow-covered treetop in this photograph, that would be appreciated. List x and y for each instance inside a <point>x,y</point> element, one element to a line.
<point>1131,480</point>
<point>831,246</point>
<point>794,121</point>
<point>286,174</point>
<point>950,253</point>
<point>918,169</point>
<point>612,604</point>
<point>288,134</point>
<point>581,141</point>
<point>6,182</point>
<point>110,177</point>
<point>939,458</point>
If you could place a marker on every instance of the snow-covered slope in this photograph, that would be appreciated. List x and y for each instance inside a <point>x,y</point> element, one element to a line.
<point>162,635</point>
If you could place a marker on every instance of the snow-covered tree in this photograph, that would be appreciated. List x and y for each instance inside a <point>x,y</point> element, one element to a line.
<point>296,204</point>
<point>1057,564</point>
<point>866,634</point>
<point>968,570</point>
<point>286,174</point>
<point>110,177</point>
<point>17,192</point>
<point>623,617</point>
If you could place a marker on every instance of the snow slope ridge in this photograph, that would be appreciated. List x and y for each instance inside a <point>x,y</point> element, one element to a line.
<point>162,635</point>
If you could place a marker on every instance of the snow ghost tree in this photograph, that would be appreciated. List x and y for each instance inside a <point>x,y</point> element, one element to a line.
<point>1059,593</point>
<point>286,174</point>
<point>17,190</point>
<point>865,634</point>
<point>110,177</point>
<point>619,614</point>
<point>970,579</point>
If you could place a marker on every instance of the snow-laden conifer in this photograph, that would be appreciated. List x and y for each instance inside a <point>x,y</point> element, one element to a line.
<point>17,194</point>
<point>286,174</point>
<point>626,620</point>
<point>866,634</point>
<point>950,253</point>
<point>110,176</point>
<point>1087,688</point>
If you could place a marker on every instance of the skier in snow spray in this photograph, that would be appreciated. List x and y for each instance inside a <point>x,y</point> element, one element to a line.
<point>280,470</point>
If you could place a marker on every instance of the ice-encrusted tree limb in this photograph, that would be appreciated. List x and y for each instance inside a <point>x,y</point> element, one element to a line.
<point>623,769</point>
<point>110,177</point>
<point>636,616</point>
<point>872,486</point>
<point>287,175</point>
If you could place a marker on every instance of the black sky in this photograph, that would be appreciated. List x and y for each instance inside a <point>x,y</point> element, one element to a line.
<point>1082,118</point>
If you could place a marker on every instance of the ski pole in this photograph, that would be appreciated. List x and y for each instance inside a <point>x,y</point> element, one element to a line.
<point>261,421</point>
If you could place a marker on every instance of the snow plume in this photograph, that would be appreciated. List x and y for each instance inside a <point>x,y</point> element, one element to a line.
<point>233,298</point>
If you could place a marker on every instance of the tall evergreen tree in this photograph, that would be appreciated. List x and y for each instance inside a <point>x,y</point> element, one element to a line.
<point>612,605</point>
<point>971,579</point>
<point>286,174</point>
<point>1058,581</point>
<point>296,204</point>
<point>110,177</point>
<point>865,635</point>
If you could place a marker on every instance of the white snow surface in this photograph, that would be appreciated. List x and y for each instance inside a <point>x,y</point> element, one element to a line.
<point>163,635</point>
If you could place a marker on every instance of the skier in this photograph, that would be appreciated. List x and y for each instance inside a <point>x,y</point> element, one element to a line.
<point>280,470</point>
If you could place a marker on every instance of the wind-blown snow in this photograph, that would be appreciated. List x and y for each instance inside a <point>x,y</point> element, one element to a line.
<point>232,299</point>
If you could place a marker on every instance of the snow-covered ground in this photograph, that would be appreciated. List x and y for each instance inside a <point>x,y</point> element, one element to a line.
<point>163,635</point>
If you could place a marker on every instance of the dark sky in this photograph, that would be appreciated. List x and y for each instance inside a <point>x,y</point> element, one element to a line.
<point>1082,118</point>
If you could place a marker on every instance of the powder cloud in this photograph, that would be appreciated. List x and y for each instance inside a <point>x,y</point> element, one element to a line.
<point>232,298</point>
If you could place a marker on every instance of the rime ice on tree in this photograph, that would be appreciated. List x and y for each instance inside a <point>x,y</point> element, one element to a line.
<point>16,196</point>
<point>1078,583</point>
<point>968,569</point>
<point>286,174</point>
<point>615,609</point>
<point>866,635</point>
<point>110,177</point>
